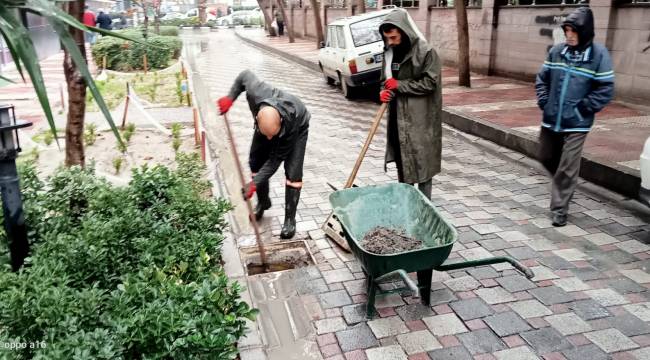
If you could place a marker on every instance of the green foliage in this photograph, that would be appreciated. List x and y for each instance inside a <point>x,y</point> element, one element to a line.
<point>48,138</point>
<point>90,134</point>
<point>128,132</point>
<point>168,31</point>
<point>117,164</point>
<point>121,147</point>
<point>135,275</point>
<point>176,144</point>
<point>127,56</point>
<point>176,130</point>
<point>179,88</point>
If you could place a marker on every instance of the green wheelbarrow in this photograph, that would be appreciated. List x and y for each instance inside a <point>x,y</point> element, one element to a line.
<point>401,206</point>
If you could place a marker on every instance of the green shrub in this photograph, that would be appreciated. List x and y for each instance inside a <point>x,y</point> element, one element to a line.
<point>168,31</point>
<point>122,55</point>
<point>135,275</point>
<point>90,134</point>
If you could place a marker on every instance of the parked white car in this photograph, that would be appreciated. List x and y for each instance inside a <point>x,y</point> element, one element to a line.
<point>353,52</point>
<point>645,173</point>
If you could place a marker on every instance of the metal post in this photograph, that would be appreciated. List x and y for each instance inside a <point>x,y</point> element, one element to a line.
<point>12,205</point>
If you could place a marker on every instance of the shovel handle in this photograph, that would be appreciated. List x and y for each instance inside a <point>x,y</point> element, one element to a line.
<point>249,206</point>
<point>362,154</point>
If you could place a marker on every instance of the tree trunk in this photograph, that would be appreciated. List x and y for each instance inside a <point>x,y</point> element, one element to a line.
<point>156,18</point>
<point>315,6</point>
<point>267,19</point>
<point>74,145</point>
<point>203,4</point>
<point>288,24</point>
<point>463,44</point>
<point>146,18</point>
<point>361,7</point>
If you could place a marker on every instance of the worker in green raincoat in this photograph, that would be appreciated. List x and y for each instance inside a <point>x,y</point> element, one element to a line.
<point>413,90</point>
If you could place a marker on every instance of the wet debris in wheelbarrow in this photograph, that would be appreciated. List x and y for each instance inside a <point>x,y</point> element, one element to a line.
<point>383,241</point>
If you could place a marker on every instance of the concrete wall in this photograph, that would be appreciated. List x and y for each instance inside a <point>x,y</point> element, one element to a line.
<point>443,36</point>
<point>629,44</point>
<point>524,36</point>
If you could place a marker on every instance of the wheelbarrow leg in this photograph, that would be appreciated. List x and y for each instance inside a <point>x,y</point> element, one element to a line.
<point>424,283</point>
<point>372,291</point>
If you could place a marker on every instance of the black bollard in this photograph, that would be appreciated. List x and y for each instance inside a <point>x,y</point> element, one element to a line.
<point>12,205</point>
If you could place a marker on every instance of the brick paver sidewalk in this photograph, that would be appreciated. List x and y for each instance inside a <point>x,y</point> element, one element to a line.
<point>590,297</point>
<point>618,136</point>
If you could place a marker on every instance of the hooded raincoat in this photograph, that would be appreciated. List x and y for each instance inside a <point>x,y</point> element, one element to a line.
<point>575,82</point>
<point>418,102</point>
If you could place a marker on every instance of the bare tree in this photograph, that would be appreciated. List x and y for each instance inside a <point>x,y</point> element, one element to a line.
<point>287,23</point>
<point>74,145</point>
<point>463,44</point>
<point>315,7</point>
<point>156,15</point>
<point>267,18</point>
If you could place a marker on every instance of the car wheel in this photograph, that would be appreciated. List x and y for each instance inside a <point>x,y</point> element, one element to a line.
<point>347,90</point>
<point>328,80</point>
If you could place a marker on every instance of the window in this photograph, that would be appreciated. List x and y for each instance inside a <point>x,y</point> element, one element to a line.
<point>340,37</point>
<point>366,31</point>
<point>331,37</point>
<point>403,3</point>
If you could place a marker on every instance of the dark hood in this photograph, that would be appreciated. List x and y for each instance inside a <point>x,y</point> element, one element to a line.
<point>582,21</point>
<point>400,20</point>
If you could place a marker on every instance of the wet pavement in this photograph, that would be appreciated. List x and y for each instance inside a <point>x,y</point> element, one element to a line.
<point>588,300</point>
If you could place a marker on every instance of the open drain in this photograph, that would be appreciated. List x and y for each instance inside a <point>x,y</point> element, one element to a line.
<point>279,257</point>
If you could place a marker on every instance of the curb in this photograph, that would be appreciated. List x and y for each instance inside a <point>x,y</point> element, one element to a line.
<point>609,175</point>
<point>251,345</point>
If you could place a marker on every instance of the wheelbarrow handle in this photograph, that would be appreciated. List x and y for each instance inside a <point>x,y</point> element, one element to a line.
<point>489,261</point>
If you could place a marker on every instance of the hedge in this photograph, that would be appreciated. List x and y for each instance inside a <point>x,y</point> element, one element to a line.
<point>122,55</point>
<point>122,272</point>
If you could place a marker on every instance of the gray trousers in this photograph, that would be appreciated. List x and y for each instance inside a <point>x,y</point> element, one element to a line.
<point>560,153</point>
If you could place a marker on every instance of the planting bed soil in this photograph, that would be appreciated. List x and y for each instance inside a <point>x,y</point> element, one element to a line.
<point>384,241</point>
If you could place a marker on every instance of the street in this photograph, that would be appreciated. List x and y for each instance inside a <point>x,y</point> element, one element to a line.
<point>588,300</point>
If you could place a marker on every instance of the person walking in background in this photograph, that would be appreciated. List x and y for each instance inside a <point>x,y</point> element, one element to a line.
<point>104,21</point>
<point>279,19</point>
<point>89,20</point>
<point>413,90</point>
<point>575,82</point>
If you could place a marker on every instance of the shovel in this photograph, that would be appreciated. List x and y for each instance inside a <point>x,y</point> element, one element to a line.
<point>332,228</point>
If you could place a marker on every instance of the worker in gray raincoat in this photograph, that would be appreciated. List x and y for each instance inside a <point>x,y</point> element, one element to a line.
<point>413,89</point>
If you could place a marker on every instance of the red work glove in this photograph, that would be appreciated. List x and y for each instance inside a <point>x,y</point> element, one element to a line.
<point>390,84</point>
<point>224,104</point>
<point>248,190</point>
<point>386,96</point>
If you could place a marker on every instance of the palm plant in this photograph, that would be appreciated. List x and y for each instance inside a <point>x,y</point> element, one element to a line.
<point>22,50</point>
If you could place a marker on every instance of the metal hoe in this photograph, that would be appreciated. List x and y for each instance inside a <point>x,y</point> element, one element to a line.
<point>332,227</point>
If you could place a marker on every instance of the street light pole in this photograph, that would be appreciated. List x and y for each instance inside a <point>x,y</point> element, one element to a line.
<point>12,205</point>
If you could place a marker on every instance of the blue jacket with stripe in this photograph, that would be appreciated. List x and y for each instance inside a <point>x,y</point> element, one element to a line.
<point>570,91</point>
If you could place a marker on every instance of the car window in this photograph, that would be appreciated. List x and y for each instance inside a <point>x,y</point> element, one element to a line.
<point>331,36</point>
<point>340,37</point>
<point>366,31</point>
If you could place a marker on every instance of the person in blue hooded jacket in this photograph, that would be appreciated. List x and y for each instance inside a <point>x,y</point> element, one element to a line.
<point>575,82</point>
<point>281,130</point>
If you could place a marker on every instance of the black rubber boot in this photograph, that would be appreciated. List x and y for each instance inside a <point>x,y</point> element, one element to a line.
<point>291,197</point>
<point>263,200</point>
